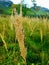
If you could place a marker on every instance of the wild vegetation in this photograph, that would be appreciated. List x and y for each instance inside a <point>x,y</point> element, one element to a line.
<point>36,40</point>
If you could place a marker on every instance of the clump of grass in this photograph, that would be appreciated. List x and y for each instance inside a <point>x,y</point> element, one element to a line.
<point>35,31</point>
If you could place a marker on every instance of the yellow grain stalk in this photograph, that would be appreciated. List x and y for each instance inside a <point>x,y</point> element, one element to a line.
<point>4,42</point>
<point>20,36</point>
<point>41,45</point>
<point>2,36</point>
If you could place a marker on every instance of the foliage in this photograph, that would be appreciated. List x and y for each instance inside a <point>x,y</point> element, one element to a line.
<point>32,12</point>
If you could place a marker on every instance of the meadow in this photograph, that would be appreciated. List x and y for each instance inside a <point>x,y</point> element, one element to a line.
<point>36,40</point>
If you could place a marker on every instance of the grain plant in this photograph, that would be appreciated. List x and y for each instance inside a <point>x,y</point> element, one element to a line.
<point>30,33</point>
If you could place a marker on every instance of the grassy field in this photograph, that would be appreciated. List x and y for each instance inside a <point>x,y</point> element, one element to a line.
<point>36,38</point>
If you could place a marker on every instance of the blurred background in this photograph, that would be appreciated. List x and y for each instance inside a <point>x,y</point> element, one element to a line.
<point>32,8</point>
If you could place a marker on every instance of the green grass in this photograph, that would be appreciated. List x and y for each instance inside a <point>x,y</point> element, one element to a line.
<point>31,28</point>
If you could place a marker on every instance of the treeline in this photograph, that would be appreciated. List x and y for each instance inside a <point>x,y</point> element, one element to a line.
<point>30,12</point>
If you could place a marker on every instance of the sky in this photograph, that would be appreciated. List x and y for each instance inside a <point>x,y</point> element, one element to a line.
<point>43,3</point>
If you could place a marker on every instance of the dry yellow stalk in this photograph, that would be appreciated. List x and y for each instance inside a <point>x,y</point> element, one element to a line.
<point>41,34</point>
<point>20,36</point>
<point>4,42</point>
<point>41,45</point>
<point>3,32</point>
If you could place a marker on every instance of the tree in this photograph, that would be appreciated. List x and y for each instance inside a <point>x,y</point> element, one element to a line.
<point>34,3</point>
